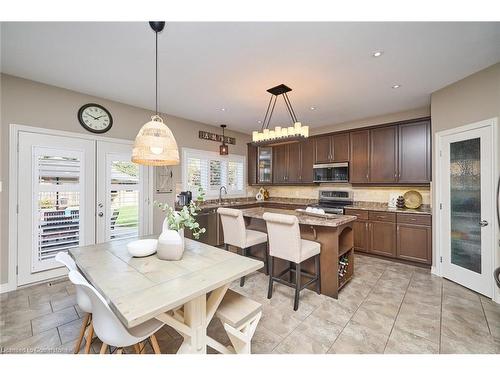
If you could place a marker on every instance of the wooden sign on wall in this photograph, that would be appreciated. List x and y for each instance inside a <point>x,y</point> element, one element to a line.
<point>216,137</point>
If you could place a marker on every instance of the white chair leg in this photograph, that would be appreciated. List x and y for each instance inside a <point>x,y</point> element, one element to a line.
<point>241,337</point>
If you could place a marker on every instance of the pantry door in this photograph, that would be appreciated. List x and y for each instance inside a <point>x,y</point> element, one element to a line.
<point>56,187</point>
<point>467,220</point>
<point>122,200</point>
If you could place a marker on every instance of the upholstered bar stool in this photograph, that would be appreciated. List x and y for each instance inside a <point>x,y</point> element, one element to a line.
<point>237,235</point>
<point>285,243</point>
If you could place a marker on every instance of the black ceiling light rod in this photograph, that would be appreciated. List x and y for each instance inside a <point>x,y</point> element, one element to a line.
<point>275,92</point>
<point>157,27</point>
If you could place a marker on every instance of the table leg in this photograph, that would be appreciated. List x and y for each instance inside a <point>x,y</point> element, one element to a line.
<point>195,316</point>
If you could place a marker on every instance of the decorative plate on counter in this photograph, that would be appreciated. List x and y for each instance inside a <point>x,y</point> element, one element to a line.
<point>413,199</point>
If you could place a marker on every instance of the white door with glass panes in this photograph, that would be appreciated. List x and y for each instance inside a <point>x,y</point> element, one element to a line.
<point>121,198</point>
<point>56,195</point>
<point>74,192</point>
<point>467,218</point>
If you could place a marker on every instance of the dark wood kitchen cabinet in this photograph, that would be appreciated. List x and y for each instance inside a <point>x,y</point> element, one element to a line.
<point>383,155</point>
<point>280,164</point>
<point>252,164</point>
<point>382,238</point>
<point>331,148</point>
<point>414,238</point>
<point>414,161</point>
<point>293,163</point>
<point>360,156</point>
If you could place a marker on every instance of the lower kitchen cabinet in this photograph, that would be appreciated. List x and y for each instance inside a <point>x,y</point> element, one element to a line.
<point>402,236</point>
<point>382,238</point>
<point>414,242</point>
<point>361,235</point>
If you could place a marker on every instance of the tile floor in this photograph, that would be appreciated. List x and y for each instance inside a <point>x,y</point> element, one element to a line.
<point>387,308</point>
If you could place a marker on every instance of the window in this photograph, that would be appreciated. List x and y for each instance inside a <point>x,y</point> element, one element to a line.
<point>211,171</point>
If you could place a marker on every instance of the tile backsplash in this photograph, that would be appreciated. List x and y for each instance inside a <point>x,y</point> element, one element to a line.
<point>367,194</point>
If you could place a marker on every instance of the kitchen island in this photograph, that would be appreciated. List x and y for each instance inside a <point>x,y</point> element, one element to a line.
<point>335,236</point>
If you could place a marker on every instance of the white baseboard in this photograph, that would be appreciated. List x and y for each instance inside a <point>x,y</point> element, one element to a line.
<point>4,288</point>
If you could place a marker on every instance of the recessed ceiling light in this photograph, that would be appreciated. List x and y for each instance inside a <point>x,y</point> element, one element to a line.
<point>259,121</point>
<point>223,109</point>
<point>396,86</point>
<point>377,53</point>
<point>312,108</point>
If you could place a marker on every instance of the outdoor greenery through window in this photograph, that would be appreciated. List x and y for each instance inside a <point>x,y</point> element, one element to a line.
<point>211,171</point>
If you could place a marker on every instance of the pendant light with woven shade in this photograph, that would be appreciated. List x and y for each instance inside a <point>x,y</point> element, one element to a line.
<point>155,144</point>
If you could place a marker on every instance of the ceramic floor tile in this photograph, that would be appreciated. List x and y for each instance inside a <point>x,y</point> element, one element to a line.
<point>44,342</point>
<point>358,339</point>
<point>419,322</point>
<point>264,341</point>
<point>322,331</point>
<point>62,302</point>
<point>14,332</point>
<point>334,312</point>
<point>474,344</point>
<point>374,320</point>
<point>296,343</point>
<point>54,320</point>
<point>70,331</point>
<point>403,342</point>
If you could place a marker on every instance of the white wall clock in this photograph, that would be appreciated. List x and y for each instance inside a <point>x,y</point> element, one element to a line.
<point>95,118</point>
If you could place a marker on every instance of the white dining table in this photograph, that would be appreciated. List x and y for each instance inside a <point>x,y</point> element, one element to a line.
<point>183,294</point>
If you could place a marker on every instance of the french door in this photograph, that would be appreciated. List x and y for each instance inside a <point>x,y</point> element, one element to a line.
<point>74,192</point>
<point>120,193</point>
<point>466,220</point>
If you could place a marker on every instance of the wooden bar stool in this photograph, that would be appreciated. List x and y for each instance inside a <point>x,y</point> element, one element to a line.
<point>236,234</point>
<point>285,243</point>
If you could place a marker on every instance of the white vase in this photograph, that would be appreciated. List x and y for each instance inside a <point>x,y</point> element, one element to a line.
<point>171,245</point>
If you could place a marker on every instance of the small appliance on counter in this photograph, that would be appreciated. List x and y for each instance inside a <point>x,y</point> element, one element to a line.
<point>333,201</point>
<point>184,198</point>
<point>334,172</point>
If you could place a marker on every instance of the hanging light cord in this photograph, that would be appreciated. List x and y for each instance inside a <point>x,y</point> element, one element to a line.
<point>156,70</point>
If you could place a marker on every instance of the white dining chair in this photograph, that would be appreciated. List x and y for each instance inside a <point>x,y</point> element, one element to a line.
<point>236,234</point>
<point>108,327</point>
<point>84,304</point>
<point>285,243</point>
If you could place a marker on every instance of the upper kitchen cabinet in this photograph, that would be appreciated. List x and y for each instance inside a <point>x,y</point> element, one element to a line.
<point>414,152</point>
<point>383,155</point>
<point>293,163</point>
<point>331,148</point>
<point>252,164</point>
<point>264,165</point>
<point>360,154</point>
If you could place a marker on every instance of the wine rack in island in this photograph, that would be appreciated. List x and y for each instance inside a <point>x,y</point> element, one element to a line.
<point>345,269</point>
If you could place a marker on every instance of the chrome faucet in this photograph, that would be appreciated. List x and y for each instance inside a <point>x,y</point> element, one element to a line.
<point>220,193</point>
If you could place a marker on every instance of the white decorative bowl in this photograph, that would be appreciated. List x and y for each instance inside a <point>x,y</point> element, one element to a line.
<point>142,248</point>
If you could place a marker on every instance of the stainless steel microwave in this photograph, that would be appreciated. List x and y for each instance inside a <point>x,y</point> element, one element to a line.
<point>334,172</point>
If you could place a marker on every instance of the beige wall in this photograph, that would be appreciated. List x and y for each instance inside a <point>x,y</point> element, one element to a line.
<point>377,120</point>
<point>472,99</point>
<point>31,103</point>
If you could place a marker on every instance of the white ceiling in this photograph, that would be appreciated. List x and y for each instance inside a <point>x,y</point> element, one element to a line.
<point>208,66</point>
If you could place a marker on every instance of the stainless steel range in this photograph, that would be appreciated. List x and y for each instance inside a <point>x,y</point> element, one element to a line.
<point>334,201</point>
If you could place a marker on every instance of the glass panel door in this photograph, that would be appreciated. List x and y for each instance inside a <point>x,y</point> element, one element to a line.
<point>264,165</point>
<point>466,221</point>
<point>56,202</point>
<point>465,203</point>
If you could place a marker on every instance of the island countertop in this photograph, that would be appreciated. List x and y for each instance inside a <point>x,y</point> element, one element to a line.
<point>258,212</point>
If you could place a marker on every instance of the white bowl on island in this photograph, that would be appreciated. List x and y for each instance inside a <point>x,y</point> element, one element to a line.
<point>142,248</point>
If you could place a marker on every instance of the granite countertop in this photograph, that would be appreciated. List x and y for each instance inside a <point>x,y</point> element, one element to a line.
<point>228,202</point>
<point>338,220</point>
<point>425,209</point>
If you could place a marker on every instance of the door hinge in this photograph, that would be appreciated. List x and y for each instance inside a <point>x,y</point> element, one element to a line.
<point>440,152</point>
<point>440,206</point>
<point>440,259</point>
<point>18,147</point>
<point>17,270</point>
<point>17,208</point>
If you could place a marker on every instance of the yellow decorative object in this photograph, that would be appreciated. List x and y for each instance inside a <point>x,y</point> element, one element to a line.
<point>413,199</point>
<point>155,144</point>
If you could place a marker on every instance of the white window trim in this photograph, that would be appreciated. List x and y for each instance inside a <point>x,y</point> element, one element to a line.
<point>211,194</point>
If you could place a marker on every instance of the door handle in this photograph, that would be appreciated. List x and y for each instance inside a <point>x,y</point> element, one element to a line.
<point>100,214</point>
<point>483,223</point>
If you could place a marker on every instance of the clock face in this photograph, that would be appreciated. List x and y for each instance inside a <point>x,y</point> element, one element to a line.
<point>95,118</point>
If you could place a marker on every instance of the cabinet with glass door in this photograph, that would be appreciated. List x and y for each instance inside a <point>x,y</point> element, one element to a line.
<point>264,165</point>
